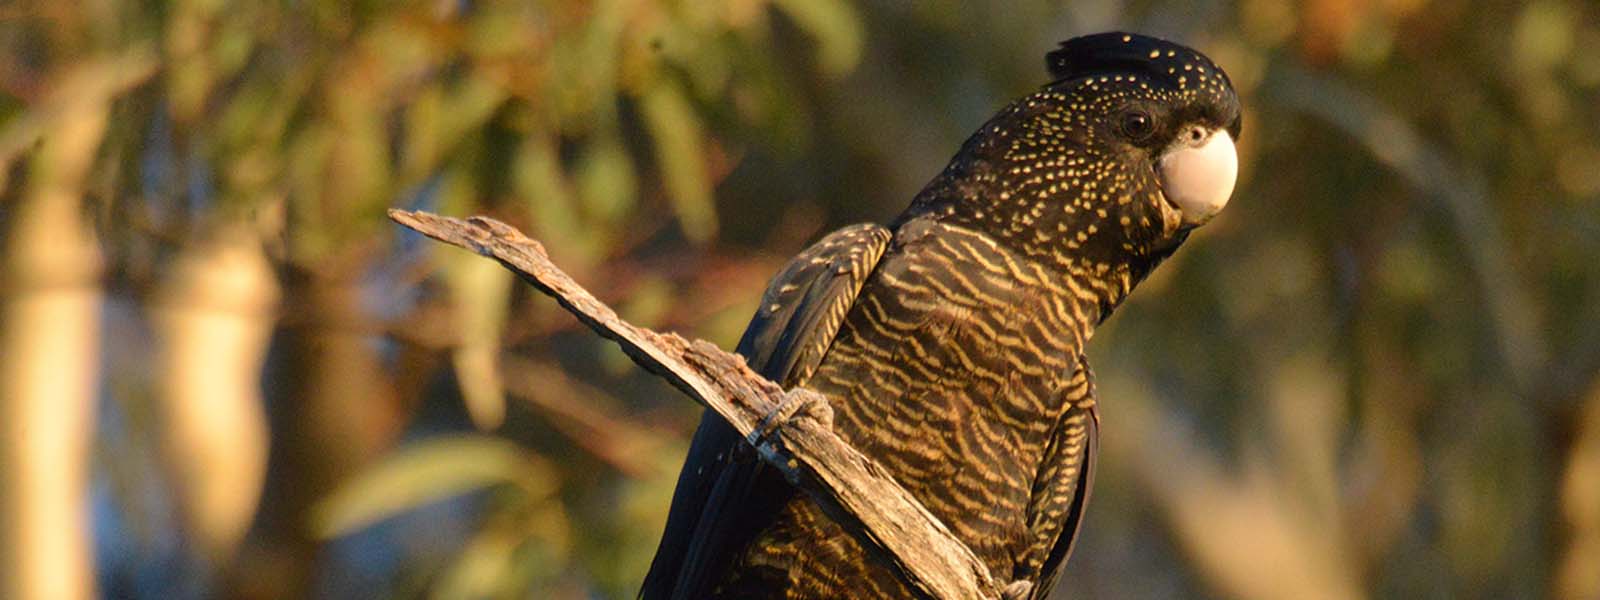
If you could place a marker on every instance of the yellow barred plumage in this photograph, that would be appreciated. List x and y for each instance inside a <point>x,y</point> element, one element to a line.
<point>967,385</point>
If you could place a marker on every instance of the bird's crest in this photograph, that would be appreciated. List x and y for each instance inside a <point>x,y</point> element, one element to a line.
<point>1120,52</point>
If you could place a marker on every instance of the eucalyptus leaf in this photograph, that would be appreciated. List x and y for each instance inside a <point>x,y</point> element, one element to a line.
<point>427,472</point>
<point>605,178</point>
<point>836,27</point>
<point>677,137</point>
<point>481,290</point>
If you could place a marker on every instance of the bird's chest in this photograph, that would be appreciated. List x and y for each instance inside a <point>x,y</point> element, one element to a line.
<point>949,371</point>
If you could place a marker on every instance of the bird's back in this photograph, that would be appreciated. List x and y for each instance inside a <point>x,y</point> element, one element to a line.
<point>950,370</point>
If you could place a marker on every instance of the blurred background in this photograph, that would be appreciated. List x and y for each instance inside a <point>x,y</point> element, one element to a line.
<point>223,373</point>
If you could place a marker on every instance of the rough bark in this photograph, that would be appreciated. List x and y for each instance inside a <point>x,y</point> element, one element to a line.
<point>792,430</point>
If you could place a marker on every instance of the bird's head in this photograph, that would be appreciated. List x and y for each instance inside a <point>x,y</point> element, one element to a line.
<point>1108,167</point>
<point>1157,106</point>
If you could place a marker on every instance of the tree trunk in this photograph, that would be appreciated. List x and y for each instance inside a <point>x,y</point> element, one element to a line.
<point>50,298</point>
<point>213,319</point>
<point>332,410</point>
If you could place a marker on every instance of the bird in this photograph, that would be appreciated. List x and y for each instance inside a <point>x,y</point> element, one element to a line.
<point>949,343</point>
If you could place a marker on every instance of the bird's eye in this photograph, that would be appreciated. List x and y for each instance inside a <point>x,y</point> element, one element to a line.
<point>1196,134</point>
<point>1138,125</point>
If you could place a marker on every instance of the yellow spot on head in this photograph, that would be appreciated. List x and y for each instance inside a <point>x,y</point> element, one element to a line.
<point>1127,38</point>
<point>1155,54</point>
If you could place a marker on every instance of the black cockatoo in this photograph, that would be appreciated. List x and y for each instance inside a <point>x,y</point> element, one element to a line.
<point>950,343</point>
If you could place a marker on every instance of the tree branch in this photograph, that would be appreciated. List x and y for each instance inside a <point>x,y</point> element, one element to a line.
<point>791,430</point>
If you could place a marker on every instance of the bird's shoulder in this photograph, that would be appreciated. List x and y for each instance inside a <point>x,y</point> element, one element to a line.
<point>724,496</point>
<point>807,300</point>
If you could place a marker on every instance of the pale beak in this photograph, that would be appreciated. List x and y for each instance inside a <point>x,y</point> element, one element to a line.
<point>1198,178</point>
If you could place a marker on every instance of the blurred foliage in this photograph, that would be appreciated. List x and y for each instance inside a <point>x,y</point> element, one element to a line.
<point>1374,375</point>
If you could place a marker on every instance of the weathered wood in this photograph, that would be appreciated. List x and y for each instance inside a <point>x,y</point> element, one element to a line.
<point>792,430</point>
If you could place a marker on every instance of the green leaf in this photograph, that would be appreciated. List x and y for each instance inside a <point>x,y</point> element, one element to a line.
<point>836,27</point>
<point>539,179</point>
<point>518,549</point>
<point>426,472</point>
<point>679,148</point>
<point>605,178</point>
<point>481,290</point>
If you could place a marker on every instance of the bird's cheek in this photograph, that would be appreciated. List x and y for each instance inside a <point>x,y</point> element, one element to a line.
<point>1198,180</point>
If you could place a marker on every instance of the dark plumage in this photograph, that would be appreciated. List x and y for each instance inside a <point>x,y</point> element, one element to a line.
<point>949,344</point>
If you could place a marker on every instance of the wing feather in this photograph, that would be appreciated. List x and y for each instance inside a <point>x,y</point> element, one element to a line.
<point>1067,476</point>
<point>724,494</point>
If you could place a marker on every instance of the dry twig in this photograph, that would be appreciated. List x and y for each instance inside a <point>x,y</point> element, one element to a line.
<point>791,430</point>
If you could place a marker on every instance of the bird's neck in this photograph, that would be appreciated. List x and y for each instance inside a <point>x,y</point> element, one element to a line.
<point>1073,248</point>
<point>1057,308</point>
